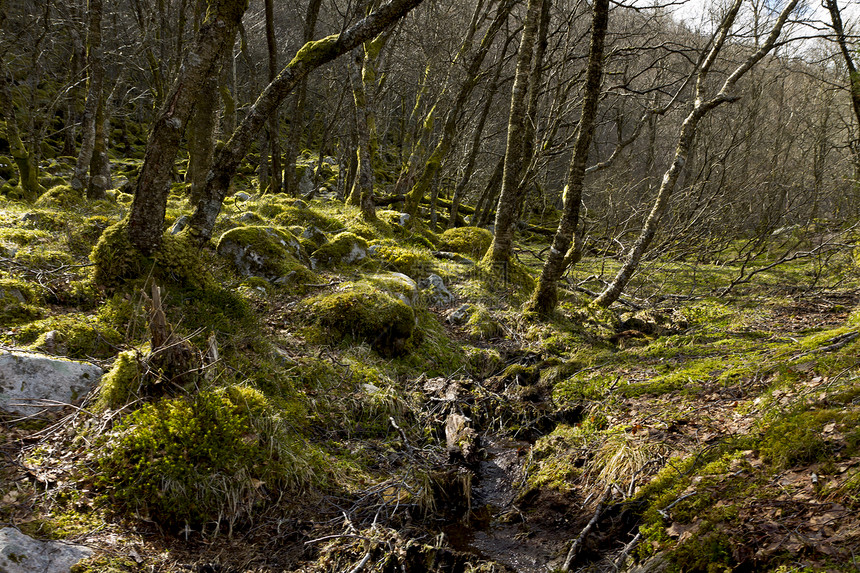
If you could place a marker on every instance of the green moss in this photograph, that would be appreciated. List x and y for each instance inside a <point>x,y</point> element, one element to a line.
<point>121,383</point>
<point>177,261</point>
<point>343,248</point>
<point>471,241</point>
<point>44,259</point>
<point>307,218</point>
<point>409,261</point>
<point>19,301</point>
<point>268,252</point>
<point>313,52</point>
<point>45,220</point>
<point>364,313</point>
<point>482,324</point>
<point>23,237</point>
<point>798,438</point>
<point>105,564</point>
<point>209,458</point>
<point>78,336</point>
<point>61,197</point>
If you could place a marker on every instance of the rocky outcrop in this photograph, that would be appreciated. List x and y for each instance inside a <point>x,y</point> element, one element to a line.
<point>29,382</point>
<point>20,553</point>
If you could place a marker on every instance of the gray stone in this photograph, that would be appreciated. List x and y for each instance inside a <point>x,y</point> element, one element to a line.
<point>453,257</point>
<point>241,196</point>
<point>180,224</point>
<point>20,553</point>
<point>250,218</point>
<point>399,285</point>
<point>436,291</point>
<point>28,378</point>
<point>306,183</point>
<point>461,315</point>
<point>404,218</point>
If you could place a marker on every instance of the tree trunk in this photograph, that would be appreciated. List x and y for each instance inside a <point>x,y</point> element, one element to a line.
<point>450,130</point>
<point>853,74</point>
<point>310,57</point>
<point>100,180</point>
<point>201,139</point>
<point>545,296</point>
<point>95,87</point>
<point>506,210</point>
<point>146,219</point>
<point>296,114</point>
<point>701,108</point>
<point>484,208</point>
<point>275,121</point>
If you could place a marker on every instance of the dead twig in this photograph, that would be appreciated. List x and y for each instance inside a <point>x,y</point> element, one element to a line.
<point>577,544</point>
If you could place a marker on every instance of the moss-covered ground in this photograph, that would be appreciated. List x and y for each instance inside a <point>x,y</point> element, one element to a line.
<point>719,428</point>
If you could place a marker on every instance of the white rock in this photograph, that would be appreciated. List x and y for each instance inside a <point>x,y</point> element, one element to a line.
<point>22,554</point>
<point>437,291</point>
<point>28,378</point>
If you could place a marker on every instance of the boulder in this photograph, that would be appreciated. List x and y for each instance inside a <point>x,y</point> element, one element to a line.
<point>343,248</point>
<point>471,241</point>
<point>20,553</point>
<point>267,252</point>
<point>400,285</point>
<point>461,315</point>
<point>436,291</point>
<point>27,378</point>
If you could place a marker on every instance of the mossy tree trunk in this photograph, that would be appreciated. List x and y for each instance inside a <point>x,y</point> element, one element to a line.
<point>484,208</point>
<point>853,74</point>
<point>297,109</point>
<point>363,78</point>
<point>508,205</point>
<point>95,89</point>
<point>545,296</point>
<point>274,130</point>
<point>701,107</point>
<point>100,180</point>
<point>452,119</point>
<point>28,174</point>
<point>146,220</point>
<point>201,138</point>
<point>414,136</point>
<point>475,148</point>
<point>311,56</point>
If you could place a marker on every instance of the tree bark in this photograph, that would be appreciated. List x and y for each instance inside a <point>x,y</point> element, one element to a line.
<point>296,114</point>
<point>545,296</point>
<point>701,107</point>
<point>308,58</point>
<point>95,87</point>
<point>275,121</point>
<point>146,219</point>
<point>28,174</point>
<point>506,210</point>
<point>450,130</point>
<point>853,73</point>
<point>201,139</point>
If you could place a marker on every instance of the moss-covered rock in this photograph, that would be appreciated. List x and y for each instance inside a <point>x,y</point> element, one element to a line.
<point>208,458</point>
<point>7,167</point>
<point>343,248</point>
<point>121,383</point>
<point>44,220</point>
<point>364,313</point>
<point>472,241</point>
<point>268,252</point>
<point>307,217</point>
<point>177,261</point>
<point>19,301</point>
<point>61,197</point>
<point>409,261</point>
<point>73,335</point>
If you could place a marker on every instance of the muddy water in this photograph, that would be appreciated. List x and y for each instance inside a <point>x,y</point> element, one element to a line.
<point>496,529</point>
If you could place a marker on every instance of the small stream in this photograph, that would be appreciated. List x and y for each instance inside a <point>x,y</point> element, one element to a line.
<point>496,529</point>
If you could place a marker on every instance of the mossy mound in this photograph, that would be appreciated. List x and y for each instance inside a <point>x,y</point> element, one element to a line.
<point>23,237</point>
<point>305,217</point>
<point>364,313</point>
<point>19,301</point>
<point>471,241</point>
<point>44,220</point>
<point>343,248</point>
<point>197,460</point>
<point>117,261</point>
<point>412,261</point>
<point>269,252</point>
<point>7,167</point>
<point>60,197</point>
<point>72,335</point>
<point>121,383</point>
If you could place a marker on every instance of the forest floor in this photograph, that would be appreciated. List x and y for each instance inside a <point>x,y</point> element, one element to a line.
<point>694,433</point>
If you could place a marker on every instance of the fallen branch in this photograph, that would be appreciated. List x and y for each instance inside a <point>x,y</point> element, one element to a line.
<point>836,343</point>
<point>577,544</point>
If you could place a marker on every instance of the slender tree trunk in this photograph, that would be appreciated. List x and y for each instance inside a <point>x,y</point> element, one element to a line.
<point>701,107</point>
<point>853,74</point>
<point>95,87</point>
<point>28,175</point>
<point>506,210</point>
<point>275,121</point>
<point>297,112</point>
<point>363,81</point>
<point>545,296</point>
<point>100,179</point>
<point>309,57</point>
<point>490,194</point>
<point>450,130</point>
<point>146,219</point>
